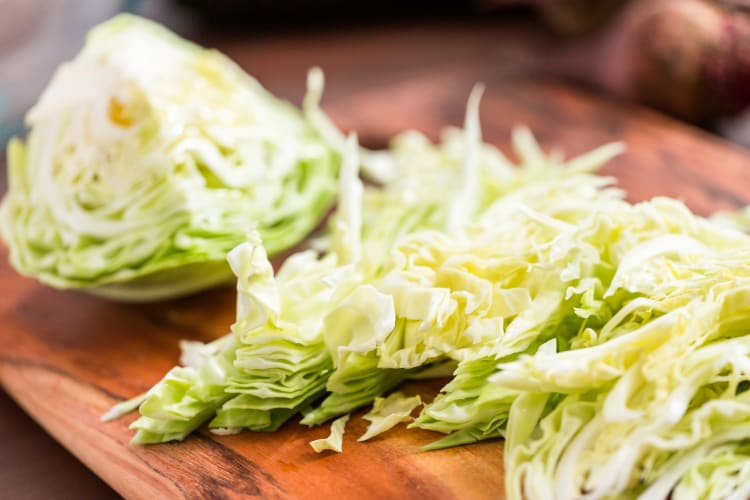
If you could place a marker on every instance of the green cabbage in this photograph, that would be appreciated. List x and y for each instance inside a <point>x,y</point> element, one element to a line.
<point>607,342</point>
<point>335,326</point>
<point>148,159</point>
<point>647,430</point>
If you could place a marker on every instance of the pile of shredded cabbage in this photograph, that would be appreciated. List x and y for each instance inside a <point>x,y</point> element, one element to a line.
<point>148,159</point>
<point>607,342</point>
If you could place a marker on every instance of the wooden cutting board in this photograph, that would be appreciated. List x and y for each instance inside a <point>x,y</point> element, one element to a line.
<point>67,357</point>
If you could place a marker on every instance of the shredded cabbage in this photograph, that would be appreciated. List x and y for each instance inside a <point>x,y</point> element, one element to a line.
<point>335,325</point>
<point>606,342</point>
<point>148,159</point>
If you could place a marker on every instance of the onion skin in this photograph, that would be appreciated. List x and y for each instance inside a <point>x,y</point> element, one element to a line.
<point>688,58</point>
<point>692,59</point>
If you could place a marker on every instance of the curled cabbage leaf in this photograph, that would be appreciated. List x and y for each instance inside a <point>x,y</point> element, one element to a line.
<point>335,440</point>
<point>388,412</point>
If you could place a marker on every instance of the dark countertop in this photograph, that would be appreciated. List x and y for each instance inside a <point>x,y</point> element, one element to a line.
<point>33,465</point>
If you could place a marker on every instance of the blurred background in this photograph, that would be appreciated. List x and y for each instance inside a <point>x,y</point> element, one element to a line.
<point>686,58</point>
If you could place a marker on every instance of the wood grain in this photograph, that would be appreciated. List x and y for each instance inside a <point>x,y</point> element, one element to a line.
<point>66,357</point>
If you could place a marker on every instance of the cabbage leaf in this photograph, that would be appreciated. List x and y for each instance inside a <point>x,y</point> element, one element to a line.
<point>387,412</point>
<point>334,441</point>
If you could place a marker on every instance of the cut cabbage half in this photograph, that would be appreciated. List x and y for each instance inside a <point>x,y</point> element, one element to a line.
<point>148,159</point>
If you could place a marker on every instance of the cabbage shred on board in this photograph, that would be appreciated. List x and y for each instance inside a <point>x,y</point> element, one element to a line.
<point>607,342</point>
<point>148,159</point>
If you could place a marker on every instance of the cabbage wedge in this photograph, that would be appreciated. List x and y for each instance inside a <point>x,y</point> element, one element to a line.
<point>149,159</point>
